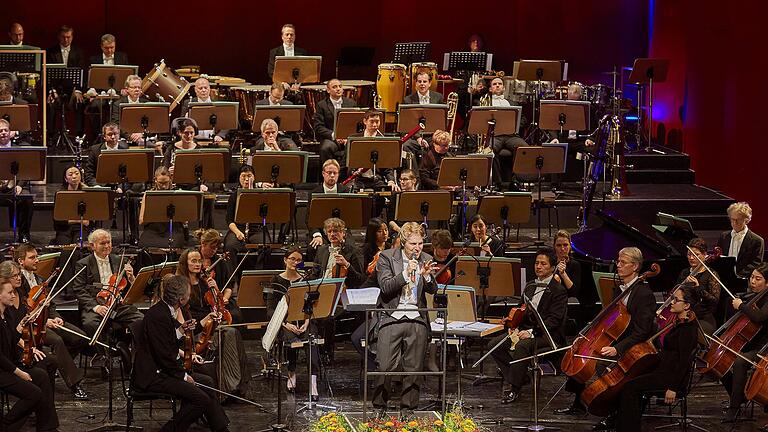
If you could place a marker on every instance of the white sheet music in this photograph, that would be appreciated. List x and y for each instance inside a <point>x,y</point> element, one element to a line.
<point>360,298</point>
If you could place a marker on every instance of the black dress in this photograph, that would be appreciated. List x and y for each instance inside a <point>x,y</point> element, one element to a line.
<point>279,286</point>
<point>709,290</point>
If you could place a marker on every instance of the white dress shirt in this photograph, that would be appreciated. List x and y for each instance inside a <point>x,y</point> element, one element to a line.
<point>541,286</point>
<point>499,101</point>
<point>30,277</point>
<point>289,50</point>
<point>105,270</point>
<point>334,189</point>
<point>737,238</point>
<point>65,53</point>
<point>623,287</point>
<point>424,99</point>
<point>108,60</point>
<point>337,102</point>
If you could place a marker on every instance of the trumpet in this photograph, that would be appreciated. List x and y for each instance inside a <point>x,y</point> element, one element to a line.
<point>484,147</point>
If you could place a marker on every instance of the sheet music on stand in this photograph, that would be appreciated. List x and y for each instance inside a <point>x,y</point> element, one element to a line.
<point>467,60</point>
<point>62,77</point>
<point>20,62</point>
<point>411,52</point>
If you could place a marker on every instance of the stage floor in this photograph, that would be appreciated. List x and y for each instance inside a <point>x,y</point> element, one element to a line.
<point>339,387</point>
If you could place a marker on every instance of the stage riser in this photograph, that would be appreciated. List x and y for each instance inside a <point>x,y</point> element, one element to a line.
<point>675,161</point>
<point>660,176</point>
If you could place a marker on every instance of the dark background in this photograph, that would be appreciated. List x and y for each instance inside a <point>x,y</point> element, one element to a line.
<point>710,105</point>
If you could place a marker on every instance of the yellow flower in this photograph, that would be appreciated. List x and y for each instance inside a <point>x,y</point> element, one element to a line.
<point>438,422</point>
<point>413,423</point>
<point>389,424</point>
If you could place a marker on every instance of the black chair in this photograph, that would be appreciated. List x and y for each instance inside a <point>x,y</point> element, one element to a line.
<point>681,401</point>
<point>133,394</point>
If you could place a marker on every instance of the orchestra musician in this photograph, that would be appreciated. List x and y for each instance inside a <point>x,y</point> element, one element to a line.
<point>203,95</point>
<point>568,269</point>
<point>6,94</point>
<point>24,203</point>
<point>288,48</point>
<point>210,241</point>
<point>673,370</point>
<point>296,331</point>
<point>383,176</point>
<point>741,242</point>
<point>405,275</point>
<point>110,133</point>
<point>409,182</point>
<point>133,94</point>
<point>330,185</point>
<point>275,98</point>
<point>479,229</point>
<point>575,144</point>
<point>331,147</point>
<point>238,234</point>
<point>736,379</point>
<point>429,167</point>
<point>703,283</point>
<point>272,139</point>
<point>99,266</point>
<point>64,344</point>
<point>234,363</point>
<point>158,367</point>
<point>550,299</point>
<point>68,231</point>
<point>32,386</point>
<point>65,52</point>
<point>109,55</point>
<point>423,96</point>
<point>15,34</point>
<point>641,306</point>
<point>503,145</point>
<point>155,234</point>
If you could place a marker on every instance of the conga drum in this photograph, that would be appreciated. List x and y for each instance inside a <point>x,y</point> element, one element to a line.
<point>359,90</point>
<point>390,86</point>
<point>247,97</point>
<point>162,83</point>
<point>427,67</point>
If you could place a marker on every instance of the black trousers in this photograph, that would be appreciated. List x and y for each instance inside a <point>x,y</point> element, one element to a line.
<point>24,211</point>
<point>630,400</point>
<point>66,347</point>
<point>292,354</point>
<point>736,380</point>
<point>331,150</point>
<point>516,374</point>
<point>401,342</point>
<point>35,396</point>
<point>124,316</point>
<point>195,402</point>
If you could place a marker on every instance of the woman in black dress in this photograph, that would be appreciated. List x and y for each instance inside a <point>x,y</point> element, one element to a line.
<point>68,231</point>
<point>706,285</point>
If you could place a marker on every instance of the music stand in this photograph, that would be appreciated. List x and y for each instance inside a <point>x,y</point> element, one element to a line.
<point>105,77</point>
<point>165,206</point>
<point>537,70</point>
<point>467,61</point>
<point>146,277</point>
<point>374,153</point>
<point>489,276</point>
<point>288,117</point>
<point>564,115</point>
<point>197,166</point>
<point>539,161</point>
<point>21,163</point>
<point>66,80</point>
<point>21,117</point>
<point>313,300</point>
<point>348,121</point>
<point>124,166</point>
<point>506,120</point>
<point>411,52</point>
<point>145,118</point>
<point>432,116</point>
<point>351,208</point>
<point>264,206</point>
<point>506,209</point>
<point>215,115</point>
<point>424,206</point>
<point>280,167</point>
<point>465,171</point>
<point>605,283</point>
<point>297,69</point>
<point>649,70</point>
<point>93,203</point>
<point>250,293</point>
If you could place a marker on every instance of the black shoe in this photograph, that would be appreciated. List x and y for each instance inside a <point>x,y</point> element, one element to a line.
<point>78,392</point>
<point>606,424</point>
<point>315,398</point>
<point>576,409</point>
<point>511,397</point>
<point>731,415</point>
<point>291,390</point>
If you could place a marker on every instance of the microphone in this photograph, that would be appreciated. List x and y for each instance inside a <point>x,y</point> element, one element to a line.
<point>413,272</point>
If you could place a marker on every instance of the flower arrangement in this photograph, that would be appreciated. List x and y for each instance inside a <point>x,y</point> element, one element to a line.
<point>454,421</point>
<point>331,422</point>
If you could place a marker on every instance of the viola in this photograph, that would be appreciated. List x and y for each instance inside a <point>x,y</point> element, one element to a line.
<point>189,341</point>
<point>214,297</point>
<point>33,332</point>
<point>339,271</point>
<point>117,283</point>
<point>603,331</point>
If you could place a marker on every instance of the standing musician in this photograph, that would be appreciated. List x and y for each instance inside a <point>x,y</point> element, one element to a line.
<point>133,94</point>
<point>429,167</point>
<point>641,306</point>
<point>423,96</point>
<point>158,368</point>
<point>99,267</point>
<point>210,242</point>
<point>294,331</point>
<point>109,55</point>
<point>383,176</point>
<point>331,147</point>
<point>15,34</point>
<point>64,52</point>
<point>203,95</point>
<point>405,276</point>
<point>233,361</point>
<point>550,299</point>
<point>703,283</point>
<point>673,370</point>
<point>64,344</point>
<point>740,242</point>
<point>24,204</point>
<point>288,48</point>
<point>32,386</point>
<point>735,380</point>
<point>155,234</point>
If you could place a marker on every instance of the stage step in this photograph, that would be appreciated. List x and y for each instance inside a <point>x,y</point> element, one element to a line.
<point>660,176</point>
<point>668,160</point>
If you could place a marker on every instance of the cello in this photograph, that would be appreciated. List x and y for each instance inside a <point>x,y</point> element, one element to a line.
<point>757,386</point>
<point>603,331</point>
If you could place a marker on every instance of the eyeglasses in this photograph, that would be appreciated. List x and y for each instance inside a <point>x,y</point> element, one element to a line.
<point>677,300</point>
<point>331,172</point>
<point>292,259</point>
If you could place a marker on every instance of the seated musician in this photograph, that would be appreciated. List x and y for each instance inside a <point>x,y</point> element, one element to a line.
<point>479,228</point>
<point>423,96</point>
<point>641,306</point>
<point>133,94</point>
<point>238,235</point>
<point>741,242</point>
<point>234,364</point>
<point>330,184</point>
<point>673,370</point>
<point>68,231</point>
<point>331,147</point>
<point>703,283</point>
<point>550,299</point>
<point>112,141</point>
<point>155,234</point>
<point>736,379</point>
<point>99,267</point>
<point>384,177</point>
<point>568,269</point>
<point>24,204</point>
<point>276,96</point>
<point>210,242</point>
<point>6,95</point>
<point>109,55</point>
<point>15,34</point>
<point>203,95</point>
<point>503,146</point>
<point>158,367</point>
<point>296,331</point>
<point>405,275</point>
<point>442,245</point>
<point>409,182</point>
<point>288,48</point>
<point>272,139</point>
<point>575,144</point>
<point>65,345</point>
<point>32,386</point>
<point>429,168</point>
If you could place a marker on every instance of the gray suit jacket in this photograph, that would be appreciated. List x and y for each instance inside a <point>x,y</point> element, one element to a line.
<point>389,270</point>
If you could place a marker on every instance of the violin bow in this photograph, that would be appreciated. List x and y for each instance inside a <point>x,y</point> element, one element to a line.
<point>710,272</point>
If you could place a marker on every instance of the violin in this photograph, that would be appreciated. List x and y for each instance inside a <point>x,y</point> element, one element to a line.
<point>189,341</point>
<point>603,331</point>
<point>372,265</point>
<point>339,271</point>
<point>34,324</point>
<point>117,283</point>
<point>512,322</point>
<point>214,297</point>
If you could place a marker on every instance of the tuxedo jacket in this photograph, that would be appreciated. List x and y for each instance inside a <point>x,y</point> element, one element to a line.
<point>93,161</point>
<point>75,59</point>
<point>434,98</point>
<point>642,308</point>
<point>322,122</point>
<point>553,308</point>
<point>185,111</point>
<point>340,188</point>
<point>88,283</point>
<point>265,102</point>
<point>121,58</point>
<point>389,271</point>
<point>24,293</point>
<point>115,114</point>
<point>750,253</point>
<point>280,51</point>
<point>355,272</point>
<point>156,347</point>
